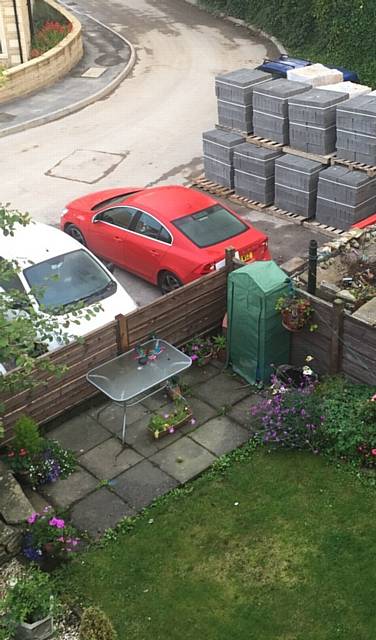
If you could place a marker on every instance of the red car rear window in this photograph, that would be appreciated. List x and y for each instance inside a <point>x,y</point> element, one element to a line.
<point>210,226</point>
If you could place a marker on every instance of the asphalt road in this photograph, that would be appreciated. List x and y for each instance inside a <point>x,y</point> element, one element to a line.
<point>149,130</point>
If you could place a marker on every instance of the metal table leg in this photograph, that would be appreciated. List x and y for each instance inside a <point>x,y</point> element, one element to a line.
<point>124,423</point>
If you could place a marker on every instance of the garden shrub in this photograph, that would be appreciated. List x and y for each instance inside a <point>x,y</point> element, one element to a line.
<point>95,625</point>
<point>335,416</point>
<point>325,31</point>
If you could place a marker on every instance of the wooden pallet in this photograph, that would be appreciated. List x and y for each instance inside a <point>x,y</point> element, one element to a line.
<point>211,187</point>
<point>265,142</point>
<point>222,127</point>
<point>251,204</point>
<point>216,189</point>
<point>369,169</point>
<point>309,156</point>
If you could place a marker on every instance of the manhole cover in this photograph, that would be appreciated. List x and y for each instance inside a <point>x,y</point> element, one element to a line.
<point>85,165</point>
<point>109,59</point>
<point>6,117</point>
<point>93,72</point>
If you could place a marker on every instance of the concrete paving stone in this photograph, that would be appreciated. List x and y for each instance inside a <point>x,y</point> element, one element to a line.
<point>63,493</point>
<point>224,389</point>
<point>220,435</point>
<point>183,460</point>
<point>196,375</point>
<point>141,484</point>
<point>241,411</point>
<point>141,439</point>
<point>36,499</point>
<point>99,511</point>
<point>79,434</point>
<point>109,459</point>
<point>201,413</point>
<point>110,416</point>
<point>156,401</point>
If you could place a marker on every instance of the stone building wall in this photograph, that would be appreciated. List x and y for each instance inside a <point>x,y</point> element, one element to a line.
<point>15,42</point>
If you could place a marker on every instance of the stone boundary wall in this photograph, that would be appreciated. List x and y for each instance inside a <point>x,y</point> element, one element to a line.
<point>47,68</point>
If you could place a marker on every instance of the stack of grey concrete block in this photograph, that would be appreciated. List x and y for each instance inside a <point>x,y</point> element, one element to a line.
<point>356,129</point>
<point>270,108</point>
<point>234,93</point>
<point>296,182</point>
<point>218,155</point>
<point>254,172</point>
<point>312,118</point>
<point>344,196</point>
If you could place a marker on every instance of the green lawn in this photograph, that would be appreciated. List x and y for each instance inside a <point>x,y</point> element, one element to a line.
<point>280,548</point>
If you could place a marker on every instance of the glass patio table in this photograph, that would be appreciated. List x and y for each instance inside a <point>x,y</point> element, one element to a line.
<point>137,374</point>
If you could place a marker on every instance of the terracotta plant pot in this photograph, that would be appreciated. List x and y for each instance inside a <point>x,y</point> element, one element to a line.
<point>293,320</point>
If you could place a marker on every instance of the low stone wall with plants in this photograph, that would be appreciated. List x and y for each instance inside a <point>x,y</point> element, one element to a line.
<point>48,67</point>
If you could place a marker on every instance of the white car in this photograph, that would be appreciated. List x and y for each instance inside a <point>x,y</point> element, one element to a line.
<point>62,272</point>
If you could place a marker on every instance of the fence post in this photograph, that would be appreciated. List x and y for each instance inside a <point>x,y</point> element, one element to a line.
<point>229,258</point>
<point>312,267</point>
<point>335,354</point>
<point>121,333</point>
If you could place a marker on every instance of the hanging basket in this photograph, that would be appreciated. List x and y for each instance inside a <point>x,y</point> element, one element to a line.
<point>296,317</point>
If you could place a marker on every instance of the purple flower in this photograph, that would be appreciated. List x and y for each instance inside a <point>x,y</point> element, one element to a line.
<point>193,421</point>
<point>194,356</point>
<point>171,430</point>
<point>57,522</point>
<point>31,519</point>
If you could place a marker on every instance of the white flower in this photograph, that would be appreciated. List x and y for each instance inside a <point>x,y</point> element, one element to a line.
<point>309,359</point>
<point>307,371</point>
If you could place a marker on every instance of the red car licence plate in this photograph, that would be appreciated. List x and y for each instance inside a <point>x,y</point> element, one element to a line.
<point>246,257</point>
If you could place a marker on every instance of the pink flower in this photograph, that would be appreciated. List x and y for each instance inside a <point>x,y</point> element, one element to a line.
<point>171,430</point>
<point>373,399</point>
<point>193,421</point>
<point>31,519</point>
<point>373,452</point>
<point>194,356</point>
<point>74,542</point>
<point>57,522</point>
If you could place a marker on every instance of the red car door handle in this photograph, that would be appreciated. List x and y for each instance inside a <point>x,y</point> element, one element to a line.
<point>117,238</point>
<point>154,252</point>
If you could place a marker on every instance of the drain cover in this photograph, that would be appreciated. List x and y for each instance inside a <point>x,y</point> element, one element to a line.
<point>85,165</point>
<point>93,72</point>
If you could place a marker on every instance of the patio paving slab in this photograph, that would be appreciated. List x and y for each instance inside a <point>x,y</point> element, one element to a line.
<point>99,511</point>
<point>183,460</point>
<point>141,484</point>
<point>141,439</point>
<point>223,389</point>
<point>220,435</point>
<point>196,375</point>
<point>110,416</point>
<point>64,493</point>
<point>202,412</point>
<point>80,434</point>
<point>241,412</point>
<point>109,459</point>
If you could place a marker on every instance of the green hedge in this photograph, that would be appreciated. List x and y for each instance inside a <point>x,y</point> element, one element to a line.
<point>329,31</point>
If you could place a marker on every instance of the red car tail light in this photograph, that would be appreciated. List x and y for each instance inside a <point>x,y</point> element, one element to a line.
<point>207,268</point>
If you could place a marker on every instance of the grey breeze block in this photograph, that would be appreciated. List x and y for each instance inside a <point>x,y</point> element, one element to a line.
<point>257,160</point>
<point>237,86</point>
<point>219,145</point>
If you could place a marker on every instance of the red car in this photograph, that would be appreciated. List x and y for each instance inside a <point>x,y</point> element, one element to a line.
<point>167,235</point>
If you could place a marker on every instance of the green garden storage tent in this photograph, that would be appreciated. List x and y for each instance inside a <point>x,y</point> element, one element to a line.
<point>256,337</point>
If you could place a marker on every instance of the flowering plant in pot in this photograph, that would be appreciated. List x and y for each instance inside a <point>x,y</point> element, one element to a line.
<point>46,534</point>
<point>36,460</point>
<point>295,311</point>
<point>162,424</point>
<point>200,350</point>
<point>28,607</point>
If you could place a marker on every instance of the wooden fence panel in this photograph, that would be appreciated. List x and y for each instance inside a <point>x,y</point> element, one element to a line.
<point>314,343</point>
<point>176,317</point>
<point>359,350</point>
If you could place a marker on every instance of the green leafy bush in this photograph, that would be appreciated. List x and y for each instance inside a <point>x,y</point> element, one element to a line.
<point>26,436</point>
<point>95,625</point>
<point>324,31</point>
<point>29,599</point>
